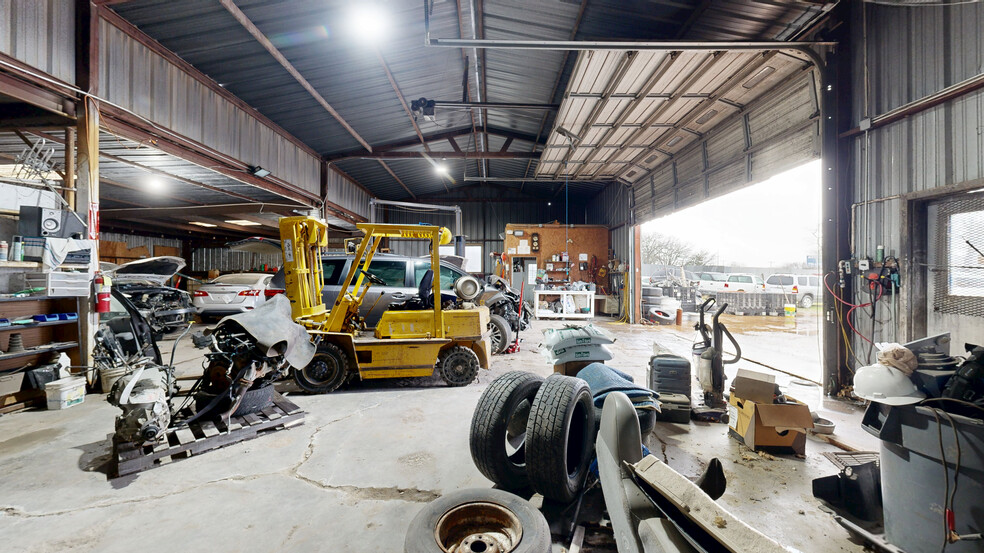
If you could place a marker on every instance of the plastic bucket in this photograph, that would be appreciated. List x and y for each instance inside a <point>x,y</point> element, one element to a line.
<point>65,392</point>
<point>108,377</point>
<point>790,309</point>
<point>912,475</point>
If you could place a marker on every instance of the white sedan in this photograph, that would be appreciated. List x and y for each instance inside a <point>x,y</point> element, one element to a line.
<point>233,293</point>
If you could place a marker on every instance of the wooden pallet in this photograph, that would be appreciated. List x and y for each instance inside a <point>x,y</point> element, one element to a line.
<point>202,436</point>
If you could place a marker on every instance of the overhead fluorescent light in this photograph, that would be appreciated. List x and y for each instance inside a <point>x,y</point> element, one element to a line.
<point>674,141</point>
<point>651,158</point>
<point>368,23</point>
<point>242,222</point>
<point>258,171</point>
<point>201,224</point>
<point>440,169</point>
<point>759,77</point>
<point>706,117</point>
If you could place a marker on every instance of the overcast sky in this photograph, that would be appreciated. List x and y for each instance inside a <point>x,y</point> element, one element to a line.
<point>765,225</point>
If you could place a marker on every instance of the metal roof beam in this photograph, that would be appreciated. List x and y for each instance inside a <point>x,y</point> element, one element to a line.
<point>448,155</point>
<point>690,46</point>
<point>239,210</point>
<point>556,86</point>
<point>238,14</point>
<point>398,179</point>
<point>437,137</point>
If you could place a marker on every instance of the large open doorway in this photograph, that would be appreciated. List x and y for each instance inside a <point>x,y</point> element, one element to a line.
<point>763,240</point>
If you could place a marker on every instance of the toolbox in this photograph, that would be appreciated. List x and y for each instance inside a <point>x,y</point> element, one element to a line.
<point>669,374</point>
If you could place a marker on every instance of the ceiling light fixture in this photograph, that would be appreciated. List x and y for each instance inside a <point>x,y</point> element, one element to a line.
<point>441,169</point>
<point>257,171</point>
<point>201,224</point>
<point>155,184</point>
<point>674,141</point>
<point>242,222</point>
<point>368,23</point>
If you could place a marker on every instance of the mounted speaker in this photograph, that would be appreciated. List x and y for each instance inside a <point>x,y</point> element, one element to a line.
<point>43,221</point>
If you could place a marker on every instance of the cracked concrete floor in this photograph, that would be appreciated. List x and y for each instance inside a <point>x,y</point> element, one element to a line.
<point>352,476</point>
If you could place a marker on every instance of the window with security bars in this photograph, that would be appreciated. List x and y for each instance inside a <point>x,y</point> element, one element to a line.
<point>959,274</point>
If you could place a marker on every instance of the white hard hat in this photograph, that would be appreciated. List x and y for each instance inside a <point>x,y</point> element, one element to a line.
<point>885,385</point>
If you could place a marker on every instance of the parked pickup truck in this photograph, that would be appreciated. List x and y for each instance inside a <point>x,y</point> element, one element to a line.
<point>709,283</point>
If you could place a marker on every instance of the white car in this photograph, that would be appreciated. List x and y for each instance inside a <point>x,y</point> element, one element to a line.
<point>233,293</point>
<point>805,288</point>
<point>710,282</point>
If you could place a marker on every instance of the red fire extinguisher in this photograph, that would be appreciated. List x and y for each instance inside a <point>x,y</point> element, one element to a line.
<point>103,286</point>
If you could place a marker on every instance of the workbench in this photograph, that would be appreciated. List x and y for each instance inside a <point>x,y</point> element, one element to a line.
<point>573,302</point>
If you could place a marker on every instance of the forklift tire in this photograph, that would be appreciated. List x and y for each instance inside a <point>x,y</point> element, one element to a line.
<point>458,366</point>
<point>498,429</point>
<point>478,520</point>
<point>501,333</point>
<point>560,437</point>
<point>325,373</point>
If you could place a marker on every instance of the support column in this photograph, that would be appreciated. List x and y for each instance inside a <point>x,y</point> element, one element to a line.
<point>87,192</point>
<point>635,268</point>
<point>69,184</point>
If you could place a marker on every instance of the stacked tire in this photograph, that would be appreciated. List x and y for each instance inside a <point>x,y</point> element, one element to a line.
<point>530,432</point>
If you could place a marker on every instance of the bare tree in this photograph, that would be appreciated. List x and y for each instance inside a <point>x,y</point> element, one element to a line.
<point>659,249</point>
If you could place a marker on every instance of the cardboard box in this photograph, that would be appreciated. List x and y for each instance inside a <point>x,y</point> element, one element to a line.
<point>757,422</point>
<point>139,252</point>
<point>571,368</point>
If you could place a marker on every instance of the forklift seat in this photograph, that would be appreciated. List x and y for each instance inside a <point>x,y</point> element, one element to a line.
<point>424,298</point>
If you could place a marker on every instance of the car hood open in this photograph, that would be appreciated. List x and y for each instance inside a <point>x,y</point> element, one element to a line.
<point>156,270</point>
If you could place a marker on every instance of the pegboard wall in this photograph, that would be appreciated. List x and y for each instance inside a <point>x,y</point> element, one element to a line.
<point>591,240</point>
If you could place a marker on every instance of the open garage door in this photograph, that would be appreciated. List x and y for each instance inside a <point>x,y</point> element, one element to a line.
<point>684,126</point>
<point>773,134</point>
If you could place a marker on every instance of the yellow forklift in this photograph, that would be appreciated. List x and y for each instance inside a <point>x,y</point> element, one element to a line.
<point>410,340</point>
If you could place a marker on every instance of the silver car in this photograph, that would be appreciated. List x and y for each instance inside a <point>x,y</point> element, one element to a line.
<point>233,293</point>
<point>402,275</point>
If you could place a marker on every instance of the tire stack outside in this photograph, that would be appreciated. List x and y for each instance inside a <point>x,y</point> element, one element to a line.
<point>552,452</point>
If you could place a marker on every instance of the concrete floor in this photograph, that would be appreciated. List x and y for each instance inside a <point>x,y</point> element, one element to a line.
<point>354,474</point>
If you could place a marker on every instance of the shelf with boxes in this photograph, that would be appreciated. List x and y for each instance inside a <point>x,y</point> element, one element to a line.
<point>35,344</point>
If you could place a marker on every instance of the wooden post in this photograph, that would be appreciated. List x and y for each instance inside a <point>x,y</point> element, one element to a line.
<point>87,191</point>
<point>69,184</point>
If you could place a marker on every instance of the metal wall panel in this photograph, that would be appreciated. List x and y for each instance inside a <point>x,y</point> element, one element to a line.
<point>911,53</point>
<point>40,33</point>
<point>228,261</point>
<point>482,222</point>
<point>344,193</point>
<point>613,207</point>
<point>143,82</point>
<point>133,241</point>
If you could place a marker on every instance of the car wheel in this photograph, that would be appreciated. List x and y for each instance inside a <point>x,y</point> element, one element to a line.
<point>559,437</point>
<point>478,520</point>
<point>325,373</point>
<point>806,302</point>
<point>498,430</point>
<point>458,366</point>
<point>501,333</point>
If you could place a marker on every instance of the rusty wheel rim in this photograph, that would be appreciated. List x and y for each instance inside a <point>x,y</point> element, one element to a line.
<point>478,527</point>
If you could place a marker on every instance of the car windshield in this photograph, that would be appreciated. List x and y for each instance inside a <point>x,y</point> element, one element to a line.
<point>740,278</point>
<point>239,279</point>
<point>712,276</point>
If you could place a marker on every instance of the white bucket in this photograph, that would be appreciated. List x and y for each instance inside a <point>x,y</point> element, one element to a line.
<point>65,392</point>
<point>108,377</point>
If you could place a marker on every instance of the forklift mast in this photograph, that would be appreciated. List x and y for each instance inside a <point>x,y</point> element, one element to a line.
<point>304,239</point>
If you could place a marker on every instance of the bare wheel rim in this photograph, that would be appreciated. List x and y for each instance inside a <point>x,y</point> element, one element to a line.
<point>478,527</point>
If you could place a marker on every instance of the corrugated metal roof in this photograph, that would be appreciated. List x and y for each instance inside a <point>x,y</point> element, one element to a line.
<point>312,34</point>
<point>136,176</point>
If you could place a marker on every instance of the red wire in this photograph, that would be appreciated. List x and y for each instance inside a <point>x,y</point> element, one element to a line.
<point>853,306</point>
